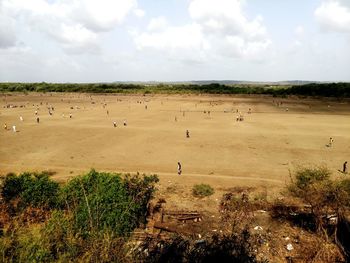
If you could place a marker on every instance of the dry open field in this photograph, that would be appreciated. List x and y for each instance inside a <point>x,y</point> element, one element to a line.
<point>258,151</point>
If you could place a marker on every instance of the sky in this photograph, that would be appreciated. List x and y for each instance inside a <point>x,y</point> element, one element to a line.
<point>174,40</point>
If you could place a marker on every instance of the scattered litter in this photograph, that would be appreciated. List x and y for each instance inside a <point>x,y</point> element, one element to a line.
<point>290,247</point>
<point>287,238</point>
<point>261,211</point>
<point>258,228</point>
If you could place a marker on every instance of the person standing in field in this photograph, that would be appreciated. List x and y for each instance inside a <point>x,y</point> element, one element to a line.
<point>114,124</point>
<point>14,128</point>
<point>21,118</point>
<point>345,168</point>
<point>187,134</point>
<point>179,168</point>
<point>37,120</point>
<point>330,142</point>
<point>5,126</point>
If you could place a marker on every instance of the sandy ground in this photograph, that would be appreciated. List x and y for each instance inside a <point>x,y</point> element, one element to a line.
<point>258,151</point>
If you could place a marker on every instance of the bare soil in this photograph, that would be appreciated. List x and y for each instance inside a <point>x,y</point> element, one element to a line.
<point>258,152</point>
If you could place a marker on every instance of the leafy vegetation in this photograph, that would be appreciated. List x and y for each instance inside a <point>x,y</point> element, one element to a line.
<point>324,196</point>
<point>32,189</point>
<point>90,217</point>
<point>314,89</point>
<point>104,201</point>
<point>202,190</point>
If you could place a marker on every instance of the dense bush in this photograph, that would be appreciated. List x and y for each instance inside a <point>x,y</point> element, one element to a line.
<point>32,189</point>
<point>312,89</point>
<point>304,177</point>
<point>202,190</point>
<point>105,201</point>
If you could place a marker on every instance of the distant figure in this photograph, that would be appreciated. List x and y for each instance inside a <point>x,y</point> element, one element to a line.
<point>37,120</point>
<point>345,168</point>
<point>36,112</point>
<point>124,123</point>
<point>70,116</point>
<point>107,112</point>
<point>114,124</point>
<point>187,134</point>
<point>237,118</point>
<point>330,142</point>
<point>14,128</point>
<point>21,118</point>
<point>5,126</point>
<point>179,168</point>
<point>145,107</point>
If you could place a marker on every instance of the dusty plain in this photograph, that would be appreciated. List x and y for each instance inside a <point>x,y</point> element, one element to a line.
<point>257,152</point>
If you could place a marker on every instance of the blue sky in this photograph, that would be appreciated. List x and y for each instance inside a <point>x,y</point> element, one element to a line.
<point>174,40</point>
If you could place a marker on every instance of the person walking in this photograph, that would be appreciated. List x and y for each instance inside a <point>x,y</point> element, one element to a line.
<point>179,168</point>
<point>345,168</point>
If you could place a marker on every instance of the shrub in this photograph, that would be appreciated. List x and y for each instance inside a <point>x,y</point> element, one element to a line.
<point>307,176</point>
<point>324,196</point>
<point>104,201</point>
<point>202,190</point>
<point>32,189</point>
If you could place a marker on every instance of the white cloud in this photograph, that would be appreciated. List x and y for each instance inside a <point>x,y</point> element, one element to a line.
<point>334,15</point>
<point>157,23</point>
<point>7,31</point>
<point>226,17</point>
<point>75,24</point>
<point>179,43</point>
<point>104,15</point>
<point>139,12</point>
<point>217,29</point>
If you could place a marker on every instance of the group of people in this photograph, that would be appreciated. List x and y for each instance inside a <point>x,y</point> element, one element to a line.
<point>115,123</point>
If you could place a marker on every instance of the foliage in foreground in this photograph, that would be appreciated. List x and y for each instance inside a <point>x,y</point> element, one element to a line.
<point>101,201</point>
<point>31,189</point>
<point>324,196</point>
<point>91,218</point>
